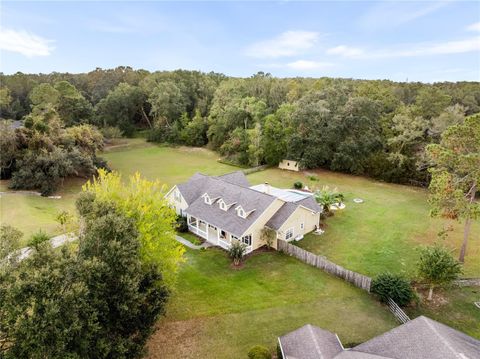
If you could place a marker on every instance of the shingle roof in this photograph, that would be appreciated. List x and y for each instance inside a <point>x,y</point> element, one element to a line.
<point>423,338</point>
<point>237,177</point>
<point>282,215</point>
<point>218,187</point>
<point>310,342</point>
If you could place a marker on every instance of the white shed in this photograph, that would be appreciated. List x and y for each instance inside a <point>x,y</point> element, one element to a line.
<point>289,165</point>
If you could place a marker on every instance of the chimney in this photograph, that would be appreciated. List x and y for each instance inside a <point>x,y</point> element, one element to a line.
<point>267,188</point>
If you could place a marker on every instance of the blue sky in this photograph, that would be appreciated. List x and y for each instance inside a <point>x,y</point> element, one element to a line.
<point>418,41</point>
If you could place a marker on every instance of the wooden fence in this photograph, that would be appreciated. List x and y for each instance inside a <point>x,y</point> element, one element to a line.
<point>397,311</point>
<point>321,262</point>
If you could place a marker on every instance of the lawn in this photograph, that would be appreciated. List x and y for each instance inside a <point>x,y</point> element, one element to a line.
<point>221,312</point>
<point>170,165</point>
<point>381,234</point>
<point>454,307</point>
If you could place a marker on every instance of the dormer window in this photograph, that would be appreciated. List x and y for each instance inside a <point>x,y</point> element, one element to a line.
<point>222,205</point>
<point>241,212</point>
<point>207,199</point>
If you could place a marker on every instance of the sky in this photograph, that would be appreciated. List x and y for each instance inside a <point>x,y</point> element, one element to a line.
<point>401,41</point>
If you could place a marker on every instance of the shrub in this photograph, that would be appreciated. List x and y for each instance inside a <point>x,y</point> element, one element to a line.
<point>38,238</point>
<point>111,132</point>
<point>237,252</point>
<point>259,352</point>
<point>298,185</point>
<point>182,225</point>
<point>394,286</point>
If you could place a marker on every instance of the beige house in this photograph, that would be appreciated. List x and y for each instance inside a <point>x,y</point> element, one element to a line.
<point>225,208</point>
<point>289,165</point>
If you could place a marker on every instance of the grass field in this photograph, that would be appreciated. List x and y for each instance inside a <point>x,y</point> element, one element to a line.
<point>221,312</point>
<point>454,307</point>
<point>381,234</point>
<point>170,165</point>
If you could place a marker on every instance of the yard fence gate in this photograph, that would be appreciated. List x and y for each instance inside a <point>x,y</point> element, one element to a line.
<point>357,279</point>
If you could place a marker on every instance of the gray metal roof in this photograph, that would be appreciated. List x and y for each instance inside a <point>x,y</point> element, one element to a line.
<point>423,337</point>
<point>310,342</point>
<point>233,194</point>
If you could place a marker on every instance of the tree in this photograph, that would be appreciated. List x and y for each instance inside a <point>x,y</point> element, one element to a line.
<point>167,103</point>
<point>255,150</point>
<point>195,131</point>
<point>8,148</point>
<point>456,175</point>
<point>431,101</point>
<point>9,240</point>
<point>268,236</point>
<point>64,218</point>
<point>99,301</point>
<point>71,106</point>
<point>237,251</point>
<point>393,286</point>
<point>276,130</point>
<point>437,267</point>
<point>122,107</point>
<point>326,198</point>
<point>143,201</point>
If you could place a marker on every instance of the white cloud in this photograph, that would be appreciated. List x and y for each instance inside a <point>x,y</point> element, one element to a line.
<point>474,27</point>
<point>305,65</point>
<point>392,14</point>
<point>412,50</point>
<point>25,43</point>
<point>345,51</point>
<point>288,43</point>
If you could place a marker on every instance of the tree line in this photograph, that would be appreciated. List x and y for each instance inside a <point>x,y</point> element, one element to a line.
<point>375,128</point>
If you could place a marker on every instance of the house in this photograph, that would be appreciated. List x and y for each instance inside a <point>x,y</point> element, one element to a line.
<point>221,209</point>
<point>419,338</point>
<point>289,165</point>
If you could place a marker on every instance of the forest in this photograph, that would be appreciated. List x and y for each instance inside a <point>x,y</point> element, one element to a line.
<point>377,128</point>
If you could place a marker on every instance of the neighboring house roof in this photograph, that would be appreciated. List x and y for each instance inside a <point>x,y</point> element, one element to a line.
<point>423,338</point>
<point>310,342</point>
<point>419,338</point>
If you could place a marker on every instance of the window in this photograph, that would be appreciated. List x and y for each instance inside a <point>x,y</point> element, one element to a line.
<point>176,195</point>
<point>234,238</point>
<point>289,234</point>
<point>241,212</point>
<point>207,199</point>
<point>302,226</point>
<point>247,239</point>
<point>192,221</point>
<point>223,234</point>
<point>222,205</point>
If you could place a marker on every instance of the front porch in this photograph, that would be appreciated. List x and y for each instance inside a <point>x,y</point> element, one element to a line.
<point>213,234</point>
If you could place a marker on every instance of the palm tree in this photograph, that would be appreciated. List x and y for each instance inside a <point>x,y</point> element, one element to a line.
<point>326,198</point>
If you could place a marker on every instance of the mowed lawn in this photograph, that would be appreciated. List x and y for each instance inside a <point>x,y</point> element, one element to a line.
<point>221,312</point>
<point>381,234</point>
<point>169,165</point>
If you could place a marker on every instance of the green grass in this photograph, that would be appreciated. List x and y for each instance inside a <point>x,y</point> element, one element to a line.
<point>169,165</point>
<point>30,213</point>
<point>221,312</point>
<point>190,237</point>
<point>381,234</point>
<point>453,307</point>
